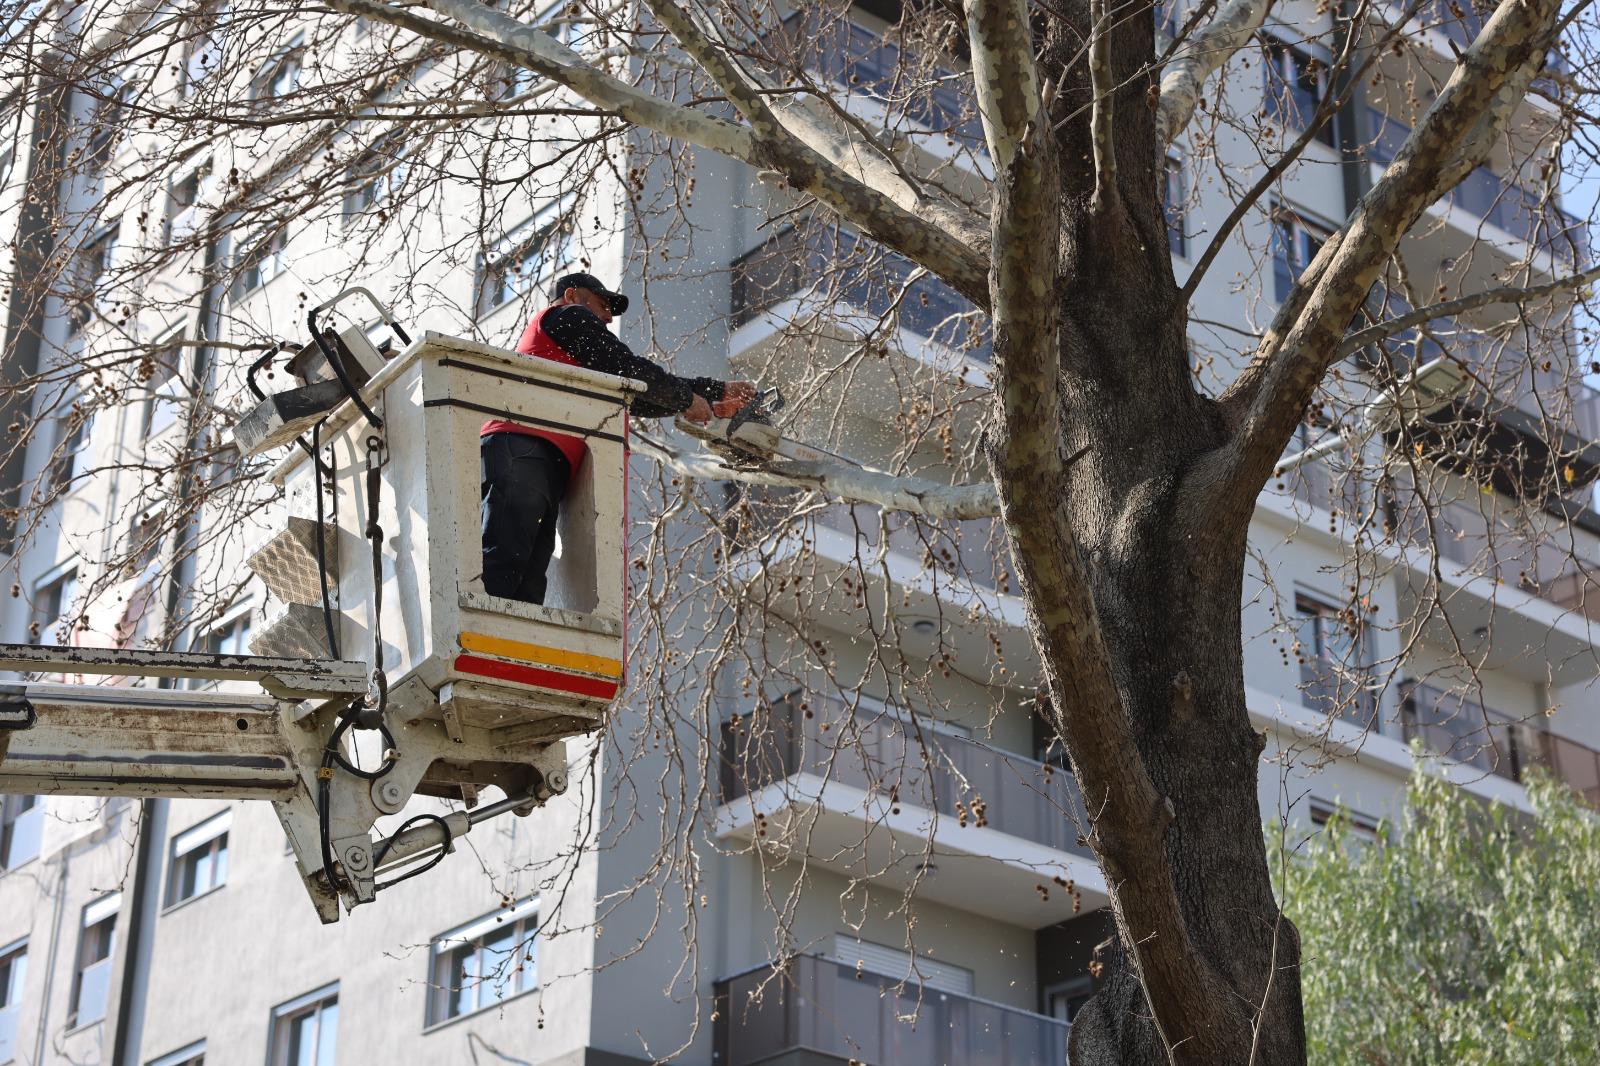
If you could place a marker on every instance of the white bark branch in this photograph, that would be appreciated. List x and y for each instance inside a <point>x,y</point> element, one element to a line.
<point>1102,111</point>
<point>1004,76</point>
<point>1203,56</point>
<point>859,484</point>
<point>1281,380</point>
<point>501,37</point>
<point>873,208</point>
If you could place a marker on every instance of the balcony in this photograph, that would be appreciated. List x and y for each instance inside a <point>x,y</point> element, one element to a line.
<point>860,61</point>
<point>1520,559</point>
<point>1465,731</point>
<point>879,788</point>
<point>818,1013</point>
<point>829,274</point>
<point>1494,198</point>
<point>951,582</point>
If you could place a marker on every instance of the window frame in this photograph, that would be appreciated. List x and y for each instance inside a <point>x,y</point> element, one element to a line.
<point>95,260</point>
<point>523,919</point>
<point>97,914</point>
<point>284,1015</point>
<point>209,836</point>
<point>520,245</point>
<point>189,1055</point>
<point>271,247</point>
<point>12,814</point>
<point>382,167</point>
<point>1363,827</point>
<point>291,59</point>
<point>59,575</point>
<point>13,979</point>
<point>1175,204</point>
<point>169,388</point>
<point>1302,228</point>
<point>1291,73</point>
<point>178,212</point>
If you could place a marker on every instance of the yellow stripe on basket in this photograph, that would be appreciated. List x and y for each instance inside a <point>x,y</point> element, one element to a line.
<point>539,653</point>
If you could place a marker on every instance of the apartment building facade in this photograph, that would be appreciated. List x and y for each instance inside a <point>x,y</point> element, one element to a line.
<point>907,848</point>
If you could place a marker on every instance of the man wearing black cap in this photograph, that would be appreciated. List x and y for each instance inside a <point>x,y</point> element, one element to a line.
<point>526,470</point>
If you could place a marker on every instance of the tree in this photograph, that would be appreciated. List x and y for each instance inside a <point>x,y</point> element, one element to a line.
<point>1462,934</point>
<point>1124,467</point>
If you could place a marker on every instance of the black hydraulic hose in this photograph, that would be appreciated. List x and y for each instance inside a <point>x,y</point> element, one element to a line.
<point>331,353</point>
<point>331,755</point>
<point>322,549</point>
<point>434,860</point>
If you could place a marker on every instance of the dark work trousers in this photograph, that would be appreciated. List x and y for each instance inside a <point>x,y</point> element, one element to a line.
<point>524,479</point>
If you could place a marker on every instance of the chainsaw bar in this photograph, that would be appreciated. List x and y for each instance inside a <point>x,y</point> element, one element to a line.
<point>750,440</point>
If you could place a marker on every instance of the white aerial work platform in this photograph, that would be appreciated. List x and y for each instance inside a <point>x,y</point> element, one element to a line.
<point>465,691</point>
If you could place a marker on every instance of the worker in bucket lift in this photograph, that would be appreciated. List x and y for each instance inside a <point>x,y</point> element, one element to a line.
<point>526,470</point>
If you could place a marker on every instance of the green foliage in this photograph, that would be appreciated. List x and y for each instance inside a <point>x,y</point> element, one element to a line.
<point>1466,935</point>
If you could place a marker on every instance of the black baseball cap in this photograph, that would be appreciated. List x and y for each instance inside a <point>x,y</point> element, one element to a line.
<point>618,302</point>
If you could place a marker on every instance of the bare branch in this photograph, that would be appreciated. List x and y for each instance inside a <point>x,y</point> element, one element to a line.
<point>1506,294</point>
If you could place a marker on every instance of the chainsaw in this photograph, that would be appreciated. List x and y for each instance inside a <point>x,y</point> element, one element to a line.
<point>749,439</point>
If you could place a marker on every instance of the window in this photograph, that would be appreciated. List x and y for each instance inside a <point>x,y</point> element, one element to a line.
<point>526,258</point>
<point>165,392</point>
<point>199,860</point>
<point>185,196</point>
<point>91,987</point>
<point>1063,1001</point>
<point>202,54</point>
<point>72,427</point>
<point>21,827</point>
<point>1361,826</point>
<point>1295,242</point>
<point>1330,645</point>
<point>229,638</point>
<point>13,976</point>
<point>1173,197</point>
<point>261,262</point>
<point>304,1029</point>
<point>900,966</point>
<point>193,1055</point>
<point>484,963</point>
<point>376,175</point>
<point>91,275</point>
<point>54,600</point>
<point>107,111</point>
<point>1296,85</point>
<point>280,75</point>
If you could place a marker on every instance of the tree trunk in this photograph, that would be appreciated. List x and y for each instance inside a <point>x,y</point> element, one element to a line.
<point>1135,574</point>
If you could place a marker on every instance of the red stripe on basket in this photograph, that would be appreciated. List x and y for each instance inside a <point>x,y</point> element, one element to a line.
<point>532,675</point>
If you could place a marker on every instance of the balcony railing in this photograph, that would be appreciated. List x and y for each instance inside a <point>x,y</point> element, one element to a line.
<point>1540,566</point>
<point>974,551</point>
<point>1335,689</point>
<point>1495,198</point>
<point>829,1011</point>
<point>829,268</point>
<point>1461,729</point>
<point>968,783</point>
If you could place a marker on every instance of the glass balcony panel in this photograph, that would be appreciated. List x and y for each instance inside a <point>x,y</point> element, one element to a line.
<point>828,268</point>
<point>964,780</point>
<point>834,1010</point>
<point>1498,200</point>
